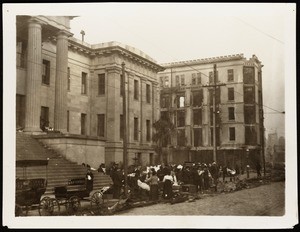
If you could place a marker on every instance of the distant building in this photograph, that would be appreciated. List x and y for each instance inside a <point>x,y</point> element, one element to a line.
<point>186,100</point>
<point>74,87</point>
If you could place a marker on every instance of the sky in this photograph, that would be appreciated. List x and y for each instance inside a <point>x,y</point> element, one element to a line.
<point>178,32</point>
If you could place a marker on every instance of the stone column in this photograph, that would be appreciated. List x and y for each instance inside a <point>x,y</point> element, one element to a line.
<point>60,108</point>
<point>34,77</point>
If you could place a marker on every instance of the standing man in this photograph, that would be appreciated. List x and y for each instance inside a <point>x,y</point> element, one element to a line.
<point>89,180</point>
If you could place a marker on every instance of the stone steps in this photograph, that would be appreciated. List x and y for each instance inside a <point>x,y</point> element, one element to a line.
<point>59,169</point>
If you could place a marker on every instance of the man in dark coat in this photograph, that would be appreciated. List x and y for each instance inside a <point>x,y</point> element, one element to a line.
<point>117,178</point>
<point>89,180</point>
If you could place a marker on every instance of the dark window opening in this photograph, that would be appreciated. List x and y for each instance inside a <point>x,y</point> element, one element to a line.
<point>147,93</point>
<point>164,115</point>
<point>180,118</point>
<point>101,125</point>
<point>165,101</point>
<point>20,111</point>
<point>101,82</point>
<point>249,75</point>
<point>44,120</point>
<point>181,140</point>
<point>148,130</point>
<point>136,90</point>
<point>230,94</point>
<point>198,78</point>
<point>249,95</point>
<point>84,83</point>
<point>211,114</point>
<point>231,115</point>
<point>136,129</point>
<point>197,137</point>
<point>69,78</point>
<point>218,96</point>
<point>249,114</point>
<point>83,124</point>
<point>231,133</point>
<point>46,72</point>
<point>197,97</point>
<point>197,117</point>
<point>230,76</point>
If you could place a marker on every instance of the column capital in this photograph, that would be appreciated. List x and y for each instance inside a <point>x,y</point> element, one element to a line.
<point>34,20</point>
<point>63,33</point>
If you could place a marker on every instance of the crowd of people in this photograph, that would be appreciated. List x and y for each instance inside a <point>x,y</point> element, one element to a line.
<point>160,180</point>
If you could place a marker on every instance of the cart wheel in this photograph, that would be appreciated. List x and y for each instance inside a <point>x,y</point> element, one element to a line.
<point>46,207</point>
<point>97,202</point>
<point>73,204</point>
<point>56,206</point>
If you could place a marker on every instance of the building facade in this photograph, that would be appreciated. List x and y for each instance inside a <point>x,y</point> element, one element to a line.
<point>186,99</point>
<point>74,87</point>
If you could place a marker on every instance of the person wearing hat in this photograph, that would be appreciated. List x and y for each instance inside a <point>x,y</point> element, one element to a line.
<point>89,180</point>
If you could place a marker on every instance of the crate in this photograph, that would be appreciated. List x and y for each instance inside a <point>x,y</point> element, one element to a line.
<point>190,188</point>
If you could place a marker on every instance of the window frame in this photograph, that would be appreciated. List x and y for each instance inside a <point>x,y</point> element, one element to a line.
<point>101,83</point>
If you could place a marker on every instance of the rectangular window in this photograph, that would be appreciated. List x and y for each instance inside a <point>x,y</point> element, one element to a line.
<point>101,125</point>
<point>180,101</point>
<point>44,120</point>
<point>230,76</point>
<point>249,75</point>
<point>136,129</point>
<point>230,94</point>
<point>249,114</point>
<point>83,124</point>
<point>147,93</point>
<point>46,72</point>
<point>231,133</point>
<point>121,127</point>
<point>198,78</point>
<point>68,120</point>
<point>181,137</point>
<point>197,137</point>
<point>121,85</point>
<point>231,115</point>
<point>101,84</point>
<point>182,80</point>
<point>69,79</point>
<point>148,130</point>
<point>136,90</point>
<point>197,98</point>
<point>250,135</point>
<point>165,101</point>
<point>197,117</point>
<point>180,118</point>
<point>193,78</point>
<point>218,96</point>
<point>249,95</point>
<point>84,83</point>
<point>211,77</point>
<point>177,80</point>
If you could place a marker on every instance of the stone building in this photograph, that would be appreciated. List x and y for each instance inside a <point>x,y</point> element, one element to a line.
<point>186,99</point>
<point>74,87</point>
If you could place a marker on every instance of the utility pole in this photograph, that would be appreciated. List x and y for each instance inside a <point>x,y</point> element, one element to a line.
<point>214,85</point>
<point>124,131</point>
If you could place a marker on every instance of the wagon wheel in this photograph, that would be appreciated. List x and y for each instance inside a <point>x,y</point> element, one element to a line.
<point>46,206</point>
<point>73,204</point>
<point>56,206</point>
<point>97,203</point>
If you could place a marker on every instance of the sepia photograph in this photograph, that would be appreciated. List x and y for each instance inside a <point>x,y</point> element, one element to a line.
<point>149,115</point>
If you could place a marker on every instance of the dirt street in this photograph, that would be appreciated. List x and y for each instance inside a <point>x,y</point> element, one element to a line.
<point>265,200</point>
